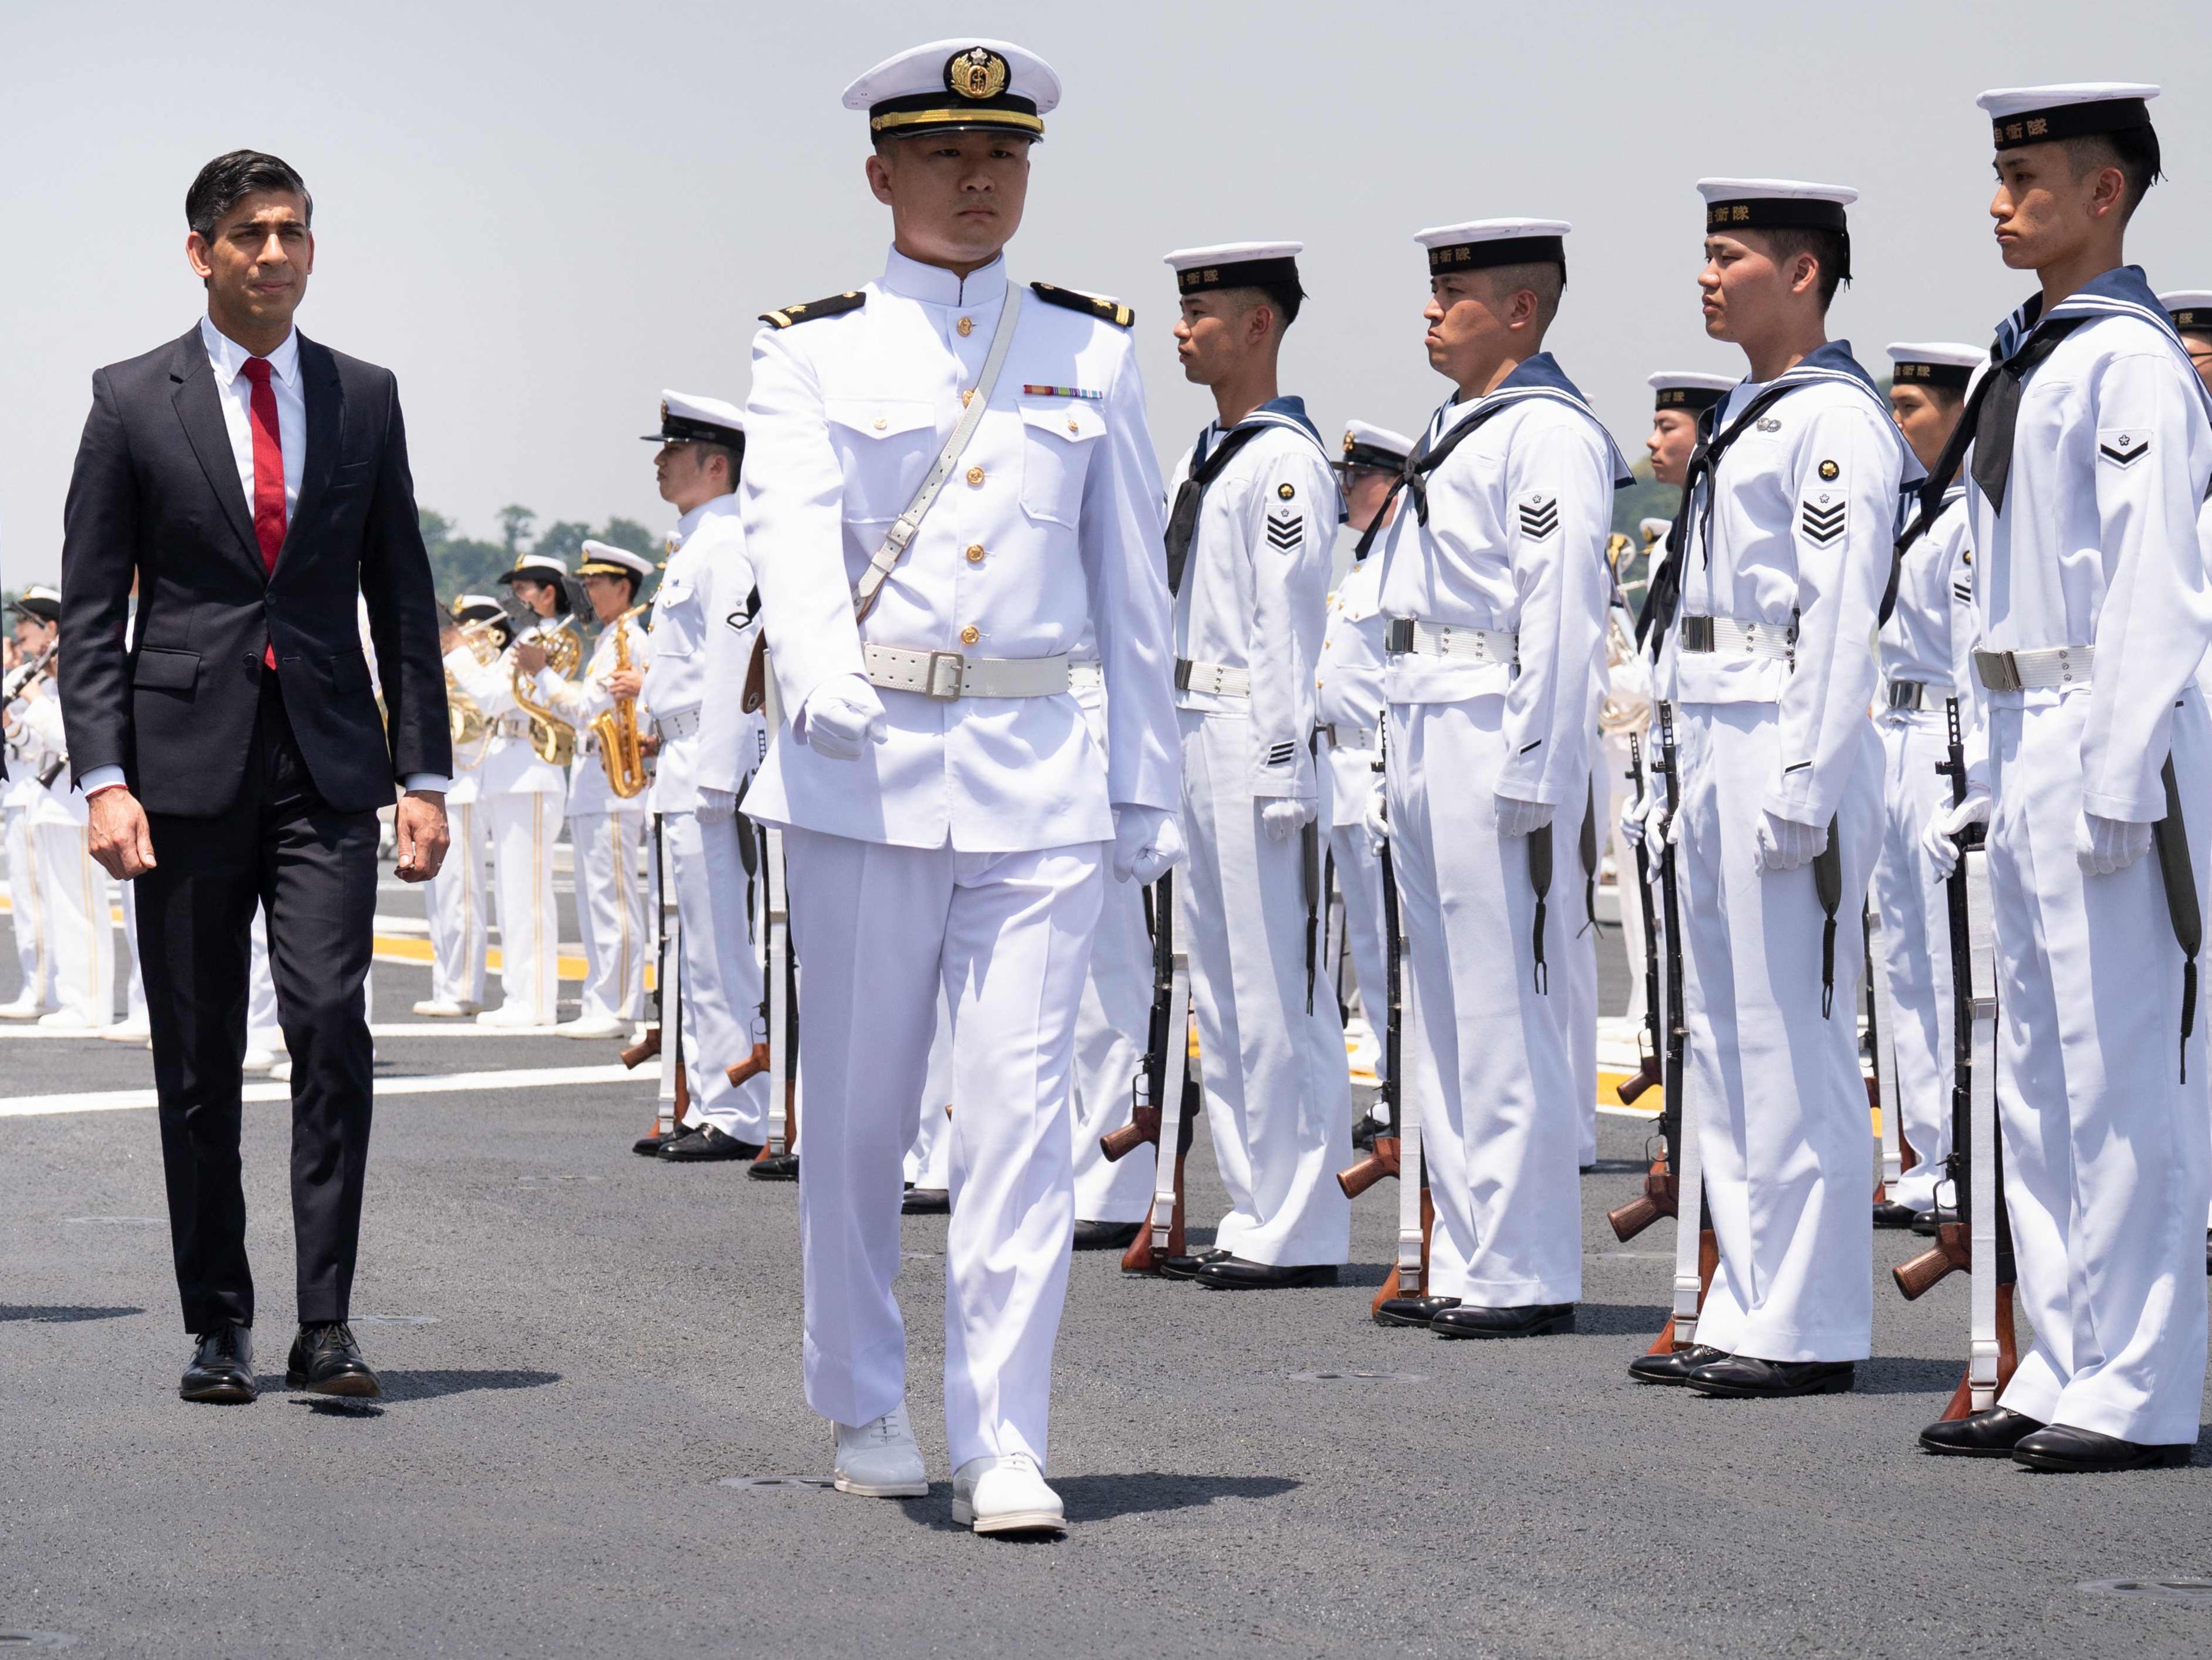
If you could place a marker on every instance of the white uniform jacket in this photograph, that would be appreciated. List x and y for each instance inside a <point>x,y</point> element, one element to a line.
<point>1513,541</point>
<point>582,701</point>
<point>732,743</point>
<point>1348,697</point>
<point>510,766</point>
<point>1929,637</point>
<point>707,566</point>
<point>1053,520</point>
<point>1254,592</point>
<point>60,802</point>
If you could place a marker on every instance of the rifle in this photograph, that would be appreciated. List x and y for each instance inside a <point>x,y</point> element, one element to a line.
<point>1661,1192</point>
<point>1153,1117</point>
<point>753,843</point>
<point>1400,1149</point>
<point>1897,1154</point>
<point>1984,1231</point>
<point>778,1159</point>
<point>675,1098</point>
<point>1648,1069</point>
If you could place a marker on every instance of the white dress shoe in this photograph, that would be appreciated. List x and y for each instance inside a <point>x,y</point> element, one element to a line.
<point>281,1072</point>
<point>879,1460</point>
<point>1006,1493</point>
<point>440,1008</point>
<point>23,1008</point>
<point>68,1020</point>
<point>258,1060</point>
<point>508,1014</point>
<point>607,1026</point>
<point>128,1031</point>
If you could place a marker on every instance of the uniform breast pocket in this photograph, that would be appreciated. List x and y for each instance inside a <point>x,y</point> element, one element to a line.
<point>1058,441</point>
<point>885,446</point>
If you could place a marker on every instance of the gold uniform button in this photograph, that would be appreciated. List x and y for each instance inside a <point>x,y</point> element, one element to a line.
<point>1074,426</point>
<point>975,476</point>
<point>976,553</point>
<point>881,423</point>
<point>966,326</point>
<point>970,634</point>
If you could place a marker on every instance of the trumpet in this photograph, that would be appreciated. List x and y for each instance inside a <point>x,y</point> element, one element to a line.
<point>622,747</point>
<point>553,738</point>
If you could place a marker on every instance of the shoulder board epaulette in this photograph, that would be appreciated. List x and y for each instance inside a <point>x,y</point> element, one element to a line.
<point>1106,311</point>
<point>836,305</point>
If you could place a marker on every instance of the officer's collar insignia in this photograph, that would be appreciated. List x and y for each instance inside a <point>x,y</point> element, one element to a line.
<point>977,73</point>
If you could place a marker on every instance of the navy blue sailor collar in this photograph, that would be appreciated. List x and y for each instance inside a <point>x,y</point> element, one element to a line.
<point>1539,376</point>
<point>2123,291</point>
<point>1288,411</point>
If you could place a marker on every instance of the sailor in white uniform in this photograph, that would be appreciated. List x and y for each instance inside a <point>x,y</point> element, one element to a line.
<point>1765,605</point>
<point>74,894</point>
<point>1496,586</point>
<point>2089,455</point>
<point>1249,546</point>
<point>454,899</point>
<point>948,817</point>
<point>37,625</point>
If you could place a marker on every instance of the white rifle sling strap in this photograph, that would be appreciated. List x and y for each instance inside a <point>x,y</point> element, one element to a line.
<point>1172,1074</point>
<point>669,990</point>
<point>1410,1233</point>
<point>1982,1133</point>
<point>778,967</point>
<point>1690,1179</point>
<point>1885,1057</point>
<point>905,527</point>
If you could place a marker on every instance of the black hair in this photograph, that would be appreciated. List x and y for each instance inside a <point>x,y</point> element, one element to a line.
<point>734,454</point>
<point>1831,250</point>
<point>2133,150</point>
<point>230,179</point>
<point>1284,299</point>
<point>1544,278</point>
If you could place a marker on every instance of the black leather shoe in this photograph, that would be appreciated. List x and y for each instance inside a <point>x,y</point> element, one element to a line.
<point>926,1202</point>
<point>1529,1319</point>
<point>1990,1434</point>
<point>1748,1378</point>
<point>1928,1221</point>
<point>783,1167</point>
<point>1412,1311</point>
<point>1675,1368</point>
<point>325,1360</point>
<point>1891,1214</point>
<point>1364,1129</point>
<point>1106,1236</point>
<point>1235,1273</point>
<point>708,1145</point>
<point>1187,1267</point>
<point>2062,1447</point>
<point>646,1146</point>
<point>221,1369</point>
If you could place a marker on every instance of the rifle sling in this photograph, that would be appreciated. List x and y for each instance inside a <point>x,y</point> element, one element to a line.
<point>2171,836</point>
<point>1828,887</point>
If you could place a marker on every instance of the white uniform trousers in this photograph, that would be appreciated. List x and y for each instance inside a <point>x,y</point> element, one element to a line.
<point>2107,1157</point>
<point>885,932</point>
<point>1915,944</point>
<point>27,915</point>
<point>721,977</point>
<point>1110,1030</point>
<point>1359,879</point>
<point>610,912</point>
<point>1574,887</point>
<point>523,828</point>
<point>1780,1102</point>
<point>455,906</point>
<point>1619,786</point>
<point>1500,1125</point>
<point>1278,1091</point>
<point>73,891</point>
<point>929,1160</point>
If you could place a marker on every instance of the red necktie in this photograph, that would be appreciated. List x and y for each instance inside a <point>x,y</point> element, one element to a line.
<point>268,476</point>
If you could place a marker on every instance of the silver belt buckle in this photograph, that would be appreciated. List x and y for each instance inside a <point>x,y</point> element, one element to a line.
<point>947,669</point>
<point>1696,634</point>
<point>1182,674</point>
<point>2000,671</point>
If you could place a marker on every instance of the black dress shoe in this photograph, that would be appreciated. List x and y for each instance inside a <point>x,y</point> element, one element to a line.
<point>783,1167</point>
<point>1748,1378</point>
<point>1587,1169</point>
<point>646,1146</point>
<point>1528,1320</point>
<point>1412,1311</point>
<point>1926,1223</point>
<point>708,1145</point>
<point>2062,1447</point>
<point>221,1369</point>
<point>325,1360</point>
<point>1364,1129</point>
<point>1673,1368</point>
<point>1891,1214</point>
<point>1106,1236</point>
<point>926,1201</point>
<point>1187,1267</point>
<point>1235,1273</point>
<point>1990,1434</point>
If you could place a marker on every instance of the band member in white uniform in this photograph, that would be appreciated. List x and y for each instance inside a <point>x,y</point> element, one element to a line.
<point>37,625</point>
<point>74,893</point>
<point>608,832</point>
<point>1767,602</point>
<point>1249,544</point>
<point>2088,457</point>
<point>1495,585</point>
<point>948,817</point>
<point>454,900</point>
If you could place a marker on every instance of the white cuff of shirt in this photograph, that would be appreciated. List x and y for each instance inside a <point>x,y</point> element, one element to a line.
<point>432,783</point>
<point>99,778</point>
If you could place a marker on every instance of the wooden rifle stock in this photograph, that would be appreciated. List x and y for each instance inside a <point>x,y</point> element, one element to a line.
<point>1709,1262</point>
<point>1140,1258</point>
<point>1660,1197</point>
<point>646,1048</point>
<point>1647,1076</point>
<point>1142,1129</point>
<point>751,1067</point>
<point>1391,1285</point>
<point>1962,1399</point>
<point>1952,1253</point>
<point>1382,1161</point>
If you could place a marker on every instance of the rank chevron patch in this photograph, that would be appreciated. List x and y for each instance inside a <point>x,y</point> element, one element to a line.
<point>2124,449</point>
<point>1823,521</point>
<point>1286,530</point>
<point>1539,517</point>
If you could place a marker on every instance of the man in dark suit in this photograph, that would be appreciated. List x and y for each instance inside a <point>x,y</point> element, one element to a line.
<point>254,484</point>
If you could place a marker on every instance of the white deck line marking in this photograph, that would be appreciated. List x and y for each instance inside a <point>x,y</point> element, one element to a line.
<point>35,1106</point>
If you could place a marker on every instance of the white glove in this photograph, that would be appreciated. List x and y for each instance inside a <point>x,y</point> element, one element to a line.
<point>1375,818</point>
<point>1936,840</point>
<point>1785,844</point>
<point>1147,843</point>
<point>1518,818</point>
<point>2106,845</point>
<point>1283,818</point>
<point>1632,817</point>
<point>715,805</point>
<point>842,718</point>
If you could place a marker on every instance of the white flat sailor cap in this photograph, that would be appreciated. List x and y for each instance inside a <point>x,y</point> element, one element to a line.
<point>1651,530</point>
<point>949,86</point>
<point>1682,389</point>
<point>1236,265</point>
<point>2078,109</point>
<point>1779,204</point>
<point>1368,446</point>
<point>2190,308</point>
<point>605,559</point>
<point>1949,364</point>
<point>1478,244</point>
<point>688,418</point>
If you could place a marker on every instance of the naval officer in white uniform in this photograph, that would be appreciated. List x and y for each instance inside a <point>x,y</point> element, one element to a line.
<point>452,900</point>
<point>948,819</point>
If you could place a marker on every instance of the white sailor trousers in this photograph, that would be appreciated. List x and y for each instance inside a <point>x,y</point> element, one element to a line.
<point>33,958</point>
<point>1110,1030</point>
<point>523,828</point>
<point>611,911</point>
<point>1915,943</point>
<point>455,906</point>
<point>884,932</point>
<point>1278,1091</point>
<point>1359,879</point>
<point>73,892</point>
<point>722,979</point>
<point>929,1160</point>
<point>2107,1153</point>
<point>1500,1123</point>
<point>1774,1085</point>
<point>1620,785</point>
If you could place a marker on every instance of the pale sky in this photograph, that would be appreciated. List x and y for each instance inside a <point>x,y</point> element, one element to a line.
<point>540,215</point>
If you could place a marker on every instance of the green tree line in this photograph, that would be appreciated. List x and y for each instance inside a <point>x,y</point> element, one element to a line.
<point>464,564</point>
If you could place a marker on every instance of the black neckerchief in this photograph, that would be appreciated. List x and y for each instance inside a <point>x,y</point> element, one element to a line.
<point>1994,410</point>
<point>1414,474</point>
<point>1190,495</point>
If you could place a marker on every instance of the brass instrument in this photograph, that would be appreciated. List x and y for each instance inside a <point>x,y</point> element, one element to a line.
<point>553,738</point>
<point>622,746</point>
<point>464,721</point>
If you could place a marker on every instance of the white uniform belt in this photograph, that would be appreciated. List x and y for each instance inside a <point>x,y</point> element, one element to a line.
<point>1348,738</point>
<point>2032,670</point>
<point>1090,677</point>
<point>947,675</point>
<point>677,725</point>
<point>1409,636</point>
<point>1775,641</point>
<point>1910,694</point>
<point>1217,678</point>
<point>512,726</point>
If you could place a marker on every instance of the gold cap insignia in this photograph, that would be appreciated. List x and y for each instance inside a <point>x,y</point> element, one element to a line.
<point>977,73</point>
<point>1829,469</point>
<point>1286,491</point>
<point>1347,443</point>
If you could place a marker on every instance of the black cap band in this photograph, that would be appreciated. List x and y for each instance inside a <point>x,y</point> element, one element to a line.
<point>2070,121</point>
<point>1281,273</point>
<point>1696,399</point>
<point>2195,319</point>
<point>682,429</point>
<point>1500,251</point>
<point>1949,377</point>
<point>1366,455</point>
<point>1775,213</point>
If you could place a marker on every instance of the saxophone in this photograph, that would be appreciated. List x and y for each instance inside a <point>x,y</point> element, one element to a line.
<point>465,723</point>
<point>622,747</point>
<point>553,738</point>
